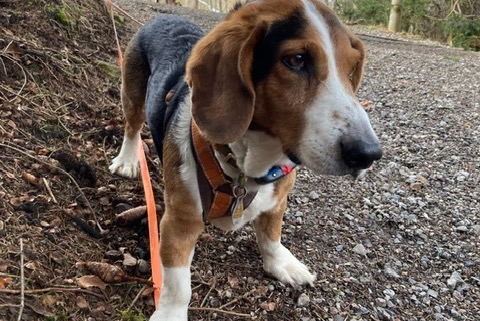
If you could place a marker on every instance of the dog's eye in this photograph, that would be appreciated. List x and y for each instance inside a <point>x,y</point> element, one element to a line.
<point>295,62</point>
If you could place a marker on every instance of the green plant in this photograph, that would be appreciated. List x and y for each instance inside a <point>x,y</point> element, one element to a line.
<point>366,11</point>
<point>130,315</point>
<point>59,317</point>
<point>463,32</point>
<point>414,13</point>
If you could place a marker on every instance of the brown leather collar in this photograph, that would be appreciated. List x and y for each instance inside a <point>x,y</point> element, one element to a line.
<point>220,195</point>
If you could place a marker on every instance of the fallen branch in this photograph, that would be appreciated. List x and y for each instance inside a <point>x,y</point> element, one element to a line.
<point>237,314</point>
<point>54,289</point>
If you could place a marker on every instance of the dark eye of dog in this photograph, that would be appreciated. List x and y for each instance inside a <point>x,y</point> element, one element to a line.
<point>295,62</point>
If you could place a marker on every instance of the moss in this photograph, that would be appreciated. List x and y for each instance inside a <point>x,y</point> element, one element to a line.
<point>112,70</point>
<point>119,18</point>
<point>130,315</point>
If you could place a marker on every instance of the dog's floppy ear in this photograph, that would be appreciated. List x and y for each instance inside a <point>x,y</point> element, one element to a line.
<point>357,73</point>
<point>219,73</point>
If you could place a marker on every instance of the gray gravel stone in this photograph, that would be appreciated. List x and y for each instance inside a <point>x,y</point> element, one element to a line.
<point>454,279</point>
<point>360,249</point>
<point>303,300</point>
<point>313,195</point>
<point>391,273</point>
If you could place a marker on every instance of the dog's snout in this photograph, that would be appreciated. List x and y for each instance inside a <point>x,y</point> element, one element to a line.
<point>360,154</point>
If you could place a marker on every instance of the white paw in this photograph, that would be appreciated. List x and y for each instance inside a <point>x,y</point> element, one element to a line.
<point>286,268</point>
<point>126,163</point>
<point>170,313</point>
<point>125,166</point>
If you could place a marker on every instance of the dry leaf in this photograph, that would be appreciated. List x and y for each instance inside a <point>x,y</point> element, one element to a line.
<point>29,178</point>
<point>81,302</point>
<point>268,306</point>
<point>261,290</point>
<point>3,266</point>
<point>32,265</point>
<point>233,281</point>
<point>129,260</point>
<point>147,292</point>
<point>49,300</point>
<point>4,281</point>
<point>39,309</point>
<point>89,281</point>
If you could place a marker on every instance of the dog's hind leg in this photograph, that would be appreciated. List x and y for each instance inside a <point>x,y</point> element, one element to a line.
<point>278,260</point>
<point>134,86</point>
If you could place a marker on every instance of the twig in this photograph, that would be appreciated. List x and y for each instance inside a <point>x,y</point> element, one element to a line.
<point>8,305</point>
<point>222,311</point>
<point>49,190</point>
<point>54,289</point>
<point>136,297</point>
<point>210,290</point>
<point>63,172</point>
<point>8,46</point>
<point>22,283</point>
<point>81,224</point>
<point>237,299</point>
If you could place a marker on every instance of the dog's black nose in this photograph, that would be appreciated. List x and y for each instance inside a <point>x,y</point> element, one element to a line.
<point>359,154</point>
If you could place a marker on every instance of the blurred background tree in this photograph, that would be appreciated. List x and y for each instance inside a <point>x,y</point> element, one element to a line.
<point>456,22</point>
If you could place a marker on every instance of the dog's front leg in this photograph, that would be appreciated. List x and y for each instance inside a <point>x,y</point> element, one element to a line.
<point>178,234</point>
<point>278,260</point>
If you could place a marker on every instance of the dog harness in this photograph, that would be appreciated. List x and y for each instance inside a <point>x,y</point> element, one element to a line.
<point>221,196</point>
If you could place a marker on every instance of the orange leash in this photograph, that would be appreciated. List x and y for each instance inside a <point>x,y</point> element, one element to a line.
<point>147,187</point>
<point>152,226</point>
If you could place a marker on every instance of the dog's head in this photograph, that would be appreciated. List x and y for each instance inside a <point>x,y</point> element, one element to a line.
<point>290,69</point>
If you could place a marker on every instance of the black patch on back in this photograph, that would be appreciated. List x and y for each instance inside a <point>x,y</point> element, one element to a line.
<point>265,52</point>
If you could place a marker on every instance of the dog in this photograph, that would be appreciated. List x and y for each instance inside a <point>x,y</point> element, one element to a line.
<point>232,113</point>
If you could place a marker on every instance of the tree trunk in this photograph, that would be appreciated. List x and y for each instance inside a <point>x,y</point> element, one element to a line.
<point>395,16</point>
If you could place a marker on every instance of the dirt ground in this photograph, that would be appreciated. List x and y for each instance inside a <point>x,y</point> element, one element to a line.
<point>401,244</point>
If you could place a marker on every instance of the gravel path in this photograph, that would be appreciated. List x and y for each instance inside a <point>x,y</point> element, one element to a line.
<point>403,244</point>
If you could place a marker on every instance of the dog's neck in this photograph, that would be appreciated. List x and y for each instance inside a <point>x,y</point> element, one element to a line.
<point>256,153</point>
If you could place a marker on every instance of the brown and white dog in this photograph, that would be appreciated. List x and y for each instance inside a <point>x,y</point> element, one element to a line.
<point>274,83</point>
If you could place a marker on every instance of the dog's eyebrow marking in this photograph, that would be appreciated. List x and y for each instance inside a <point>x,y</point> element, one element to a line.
<point>266,50</point>
<point>333,84</point>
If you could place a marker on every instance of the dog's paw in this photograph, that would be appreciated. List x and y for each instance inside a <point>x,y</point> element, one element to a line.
<point>287,268</point>
<point>170,313</point>
<point>125,166</point>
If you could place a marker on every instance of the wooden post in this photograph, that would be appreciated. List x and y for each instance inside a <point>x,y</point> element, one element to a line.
<point>395,20</point>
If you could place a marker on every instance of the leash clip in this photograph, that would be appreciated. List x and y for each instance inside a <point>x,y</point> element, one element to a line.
<point>239,191</point>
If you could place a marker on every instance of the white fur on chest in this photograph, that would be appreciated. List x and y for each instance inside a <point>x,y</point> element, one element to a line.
<point>264,201</point>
